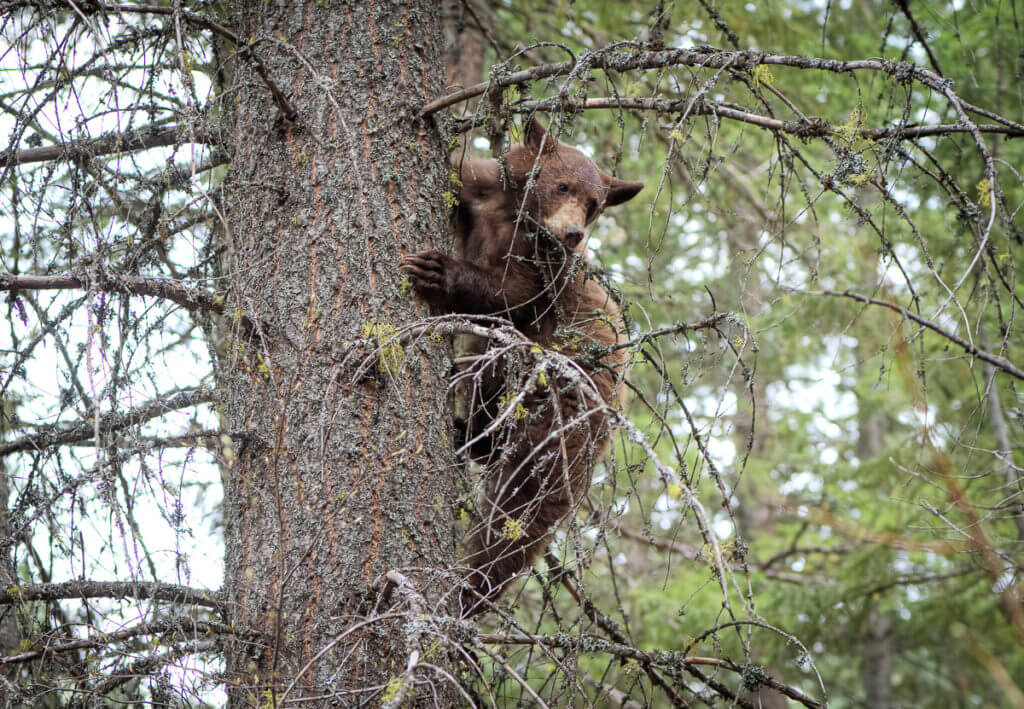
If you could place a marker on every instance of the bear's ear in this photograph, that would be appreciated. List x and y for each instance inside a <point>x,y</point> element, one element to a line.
<point>619,191</point>
<point>536,138</point>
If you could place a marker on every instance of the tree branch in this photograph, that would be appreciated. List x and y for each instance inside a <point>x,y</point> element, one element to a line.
<point>904,6</point>
<point>593,643</point>
<point>185,296</point>
<point>688,551</point>
<point>112,421</point>
<point>140,590</point>
<point>811,128</point>
<point>244,48</point>
<point>608,625</point>
<point>129,141</point>
<point>705,57</point>
<point>645,337</point>
<point>182,629</point>
<point>146,665</point>
<point>995,360</point>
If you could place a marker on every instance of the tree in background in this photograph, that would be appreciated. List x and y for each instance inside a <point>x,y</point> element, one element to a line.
<point>214,373</point>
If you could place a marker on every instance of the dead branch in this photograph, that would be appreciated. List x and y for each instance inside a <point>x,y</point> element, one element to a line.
<point>592,643</point>
<point>112,421</point>
<point>147,665</point>
<point>140,590</point>
<point>187,297</point>
<point>809,128</point>
<point>130,141</point>
<point>705,57</point>
<point>995,360</point>
<point>181,629</point>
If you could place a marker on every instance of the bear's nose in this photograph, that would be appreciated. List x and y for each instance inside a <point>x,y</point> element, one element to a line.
<point>573,236</point>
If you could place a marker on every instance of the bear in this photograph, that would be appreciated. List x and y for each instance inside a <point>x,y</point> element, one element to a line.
<point>519,229</point>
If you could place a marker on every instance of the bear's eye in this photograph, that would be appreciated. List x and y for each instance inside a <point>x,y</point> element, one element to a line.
<point>562,187</point>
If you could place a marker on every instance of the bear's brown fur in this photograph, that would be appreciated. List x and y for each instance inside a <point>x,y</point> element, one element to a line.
<point>517,241</point>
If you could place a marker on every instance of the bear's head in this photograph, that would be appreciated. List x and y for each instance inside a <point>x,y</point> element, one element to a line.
<point>568,191</point>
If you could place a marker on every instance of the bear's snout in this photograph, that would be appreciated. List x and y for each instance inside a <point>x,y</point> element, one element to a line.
<point>573,236</point>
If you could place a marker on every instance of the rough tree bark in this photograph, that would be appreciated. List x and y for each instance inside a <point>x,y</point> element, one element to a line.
<point>340,476</point>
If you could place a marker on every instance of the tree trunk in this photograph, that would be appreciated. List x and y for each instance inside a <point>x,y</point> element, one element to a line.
<point>10,631</point>
<point>10,634</point>
<point>877,648</point>
<point>751,516</point>
<point>877,656</point>
<point>466,44</point>
<point>341,472</point>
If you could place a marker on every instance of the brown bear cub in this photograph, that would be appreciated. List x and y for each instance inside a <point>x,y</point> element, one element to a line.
<point>519,234</point>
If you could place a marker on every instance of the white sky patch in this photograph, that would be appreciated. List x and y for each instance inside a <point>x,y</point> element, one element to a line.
<point>723,526</point>
<point>801,482</point>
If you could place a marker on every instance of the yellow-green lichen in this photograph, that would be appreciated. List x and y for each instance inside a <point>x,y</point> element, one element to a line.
<point>520,411</point>
<point>261,367</point>
<point>391,354</point>
<point>859,178</point>
<point>513,529</point>
<point>985,193</point>
<point>762,75</point>
<point>392,689</point>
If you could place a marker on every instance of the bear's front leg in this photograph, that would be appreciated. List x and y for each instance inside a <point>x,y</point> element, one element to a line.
<point>433,275</point>
<point>453,286</point>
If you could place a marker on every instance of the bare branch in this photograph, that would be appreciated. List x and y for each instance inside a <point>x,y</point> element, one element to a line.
<point>182,629</point>
<point>244,48</point>
<point>995,360</point>
<point>185,296</point>
<point>904,6</point>
<point>139,139</point>
<point>810,128</point>
<point>613,58</point>
<point>608,625</point>
<point>141,590</point>
<point>593,643</point>
<point>147,665</point>
<point>112,421</point>
<point>645,337</point>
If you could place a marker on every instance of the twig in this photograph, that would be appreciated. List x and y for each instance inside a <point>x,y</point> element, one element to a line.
<point>244,48</point>
<point>904,6</point>
<point>809,128</point>
<point>591,643</point>
<point>146,665</point>
<point>610,627</point>
<point>645,337</point>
